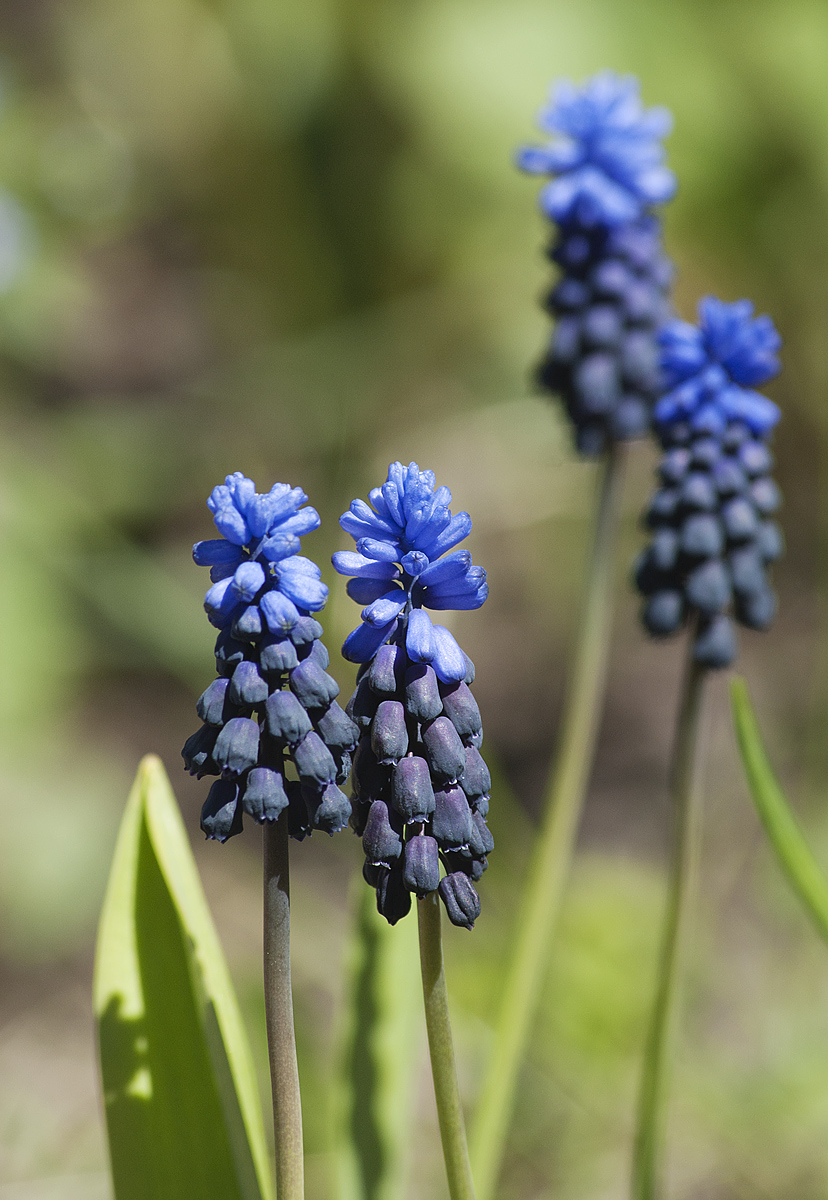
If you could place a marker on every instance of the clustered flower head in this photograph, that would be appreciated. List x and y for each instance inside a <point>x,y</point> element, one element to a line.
<point>272,730</point>
<point>612,295</point>
<point>421,786</point>
<point>713,535</point>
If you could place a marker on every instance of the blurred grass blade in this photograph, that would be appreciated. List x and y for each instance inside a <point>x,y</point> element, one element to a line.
<point>382,1037</point>
<point>804,872</point>
<point>182,1106</point>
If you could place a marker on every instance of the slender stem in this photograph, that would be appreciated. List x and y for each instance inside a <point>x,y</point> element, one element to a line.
<point>281,1040</point>
<point>441,1051</point>
<point>552,853</point>
<point>658,1052</point>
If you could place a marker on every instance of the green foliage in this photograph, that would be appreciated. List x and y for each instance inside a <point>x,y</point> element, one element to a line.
<point>181,1102</point>
<point>792,850</point>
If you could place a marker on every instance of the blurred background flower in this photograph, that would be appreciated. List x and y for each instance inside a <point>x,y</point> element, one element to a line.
<point>289,239</point>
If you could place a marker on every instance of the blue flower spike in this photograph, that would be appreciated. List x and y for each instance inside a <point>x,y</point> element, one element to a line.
<point>421,787</point>
<point>608,173</point>
<point>273,702</point>
<point>712,530</point>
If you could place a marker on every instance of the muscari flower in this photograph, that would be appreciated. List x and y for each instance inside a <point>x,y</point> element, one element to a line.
<point>713,535</point>
<point>273,703</point>
<point>612,295</point>
<point>421,787</point>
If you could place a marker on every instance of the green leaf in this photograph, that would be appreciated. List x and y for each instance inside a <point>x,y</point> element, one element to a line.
<point>802,869</point>
<point>182,1106</point>
<point>380,1045</point>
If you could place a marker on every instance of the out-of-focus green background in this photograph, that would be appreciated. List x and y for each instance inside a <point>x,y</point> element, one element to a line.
<point>286,238</point>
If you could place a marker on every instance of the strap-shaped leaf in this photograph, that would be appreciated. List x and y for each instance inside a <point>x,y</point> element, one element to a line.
<point>182,1106</point>
<point>795,857</point>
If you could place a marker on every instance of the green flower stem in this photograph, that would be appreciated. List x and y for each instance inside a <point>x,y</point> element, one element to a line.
<point>441,1051</point>
<point>658,1052</point>
<point>281,1040</point>
<point>552,854</point>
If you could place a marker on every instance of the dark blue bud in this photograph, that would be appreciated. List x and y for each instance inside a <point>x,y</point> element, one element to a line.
<point>609,278</point>
<point>412,794</point>
<point>393,897</point>
<point>702,536</point>
<point>382,841</point>
<point>698,491</point>
<point>569,294</point>
<point>663,614</point>
<point>265,798</point>
<point>602,326</point>
<point>336,728</point>
<point>211,702</point>
<point>421,865</point>
<point>708,587</point>
<point>735,436</point>
<point>248,624</point>
<point>385,675</point>
<point>755,457</point>
<point>770,541</point>
<point>306,629</point>
<point>475,780</point>
<point>766,496</point>
<point>237,746</point>
<point>740,520</point>
<point>277,654</point>
<point>629,419</point>
<point>461,900</point>
<point>221,816</point>
<point>451,824</point>
<point>198,750</point>
<point>462,861</point>
<point>312,686</point>
<point>460,706</point>
<point>481,841</point>
<point>316,652</point>
<point>597,383</point>
<point>229,652</point>
<point>705,452</point>
<point>329,809</point>
<point>444,750</point>
<point>287,720</point>
<point>728,477</point>
<point>362,704</point>
<point>566,340</point>
<point>758,610</point>
<point>715,644</point>
<point>748,571</point>
<point>662,508</point>
<point>480,804</point>
<point>639,360</point>
<point>247,686</point>
<point>314,761</point>
<point>422,695</point>
<point>664,549</point>
<point>371,781</point>
<point>389,735</point>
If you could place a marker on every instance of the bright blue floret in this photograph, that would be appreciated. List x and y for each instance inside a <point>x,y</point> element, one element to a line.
<point>402,566</point>
<point>710,369</point>
<point>421,787</point>
<point>273,701</point>
<point>608,160</point>
<point>712,519</point>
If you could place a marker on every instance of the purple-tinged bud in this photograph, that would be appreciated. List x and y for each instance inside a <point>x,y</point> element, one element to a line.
<point>287,720</point>
<point>421,867</point>
<point>198,751</point>
<point>422,695</point>
<point>371,780</point>
<point>315,652</point>
<point>381,839</point>
<point>336,729</point>
<point>247,686</point>
<point>386,670</point>
<point>372,873</point>
<point>221,815</point>
<point>277,654</point>
<point>460,898</point>
<point>475,779</point>
<point>328,809</point>
<point>444,751</point>
<point>312,686</point>
<point>460,706</point>
<point>393,897</point>
<point>306,629</point>
<point>229,653</point>
<point>237,746</point>
<point>362,704</point>
<point>481,841</point>
<point>211,702</point>
<point>265,798</point>
<point>389,735</point>
<point>412,794</point>
<point>451,824</point>
<point>314,761</point>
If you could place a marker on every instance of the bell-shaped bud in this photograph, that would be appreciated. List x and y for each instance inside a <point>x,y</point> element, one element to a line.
<point>421,865</point>
<point>389,735</point>
<point>422,694</point>
<point>312,686</point>
<point>314,761</point>
<point>287,720</point>
<point>237,746</point>
<point>221,815</point>
<point>451,824</point>
<point>381,840</point>
<point>460,898</point>
<point>247,687</point>
<point>412,794</point>
<point>265,798</point>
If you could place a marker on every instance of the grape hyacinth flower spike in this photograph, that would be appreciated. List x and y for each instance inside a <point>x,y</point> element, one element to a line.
<point>421,786</point>
<point>713,535</point>
<point>273,703</point>
<point>608,172</point>
<point>274,735</point>
<point>713,538</point>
